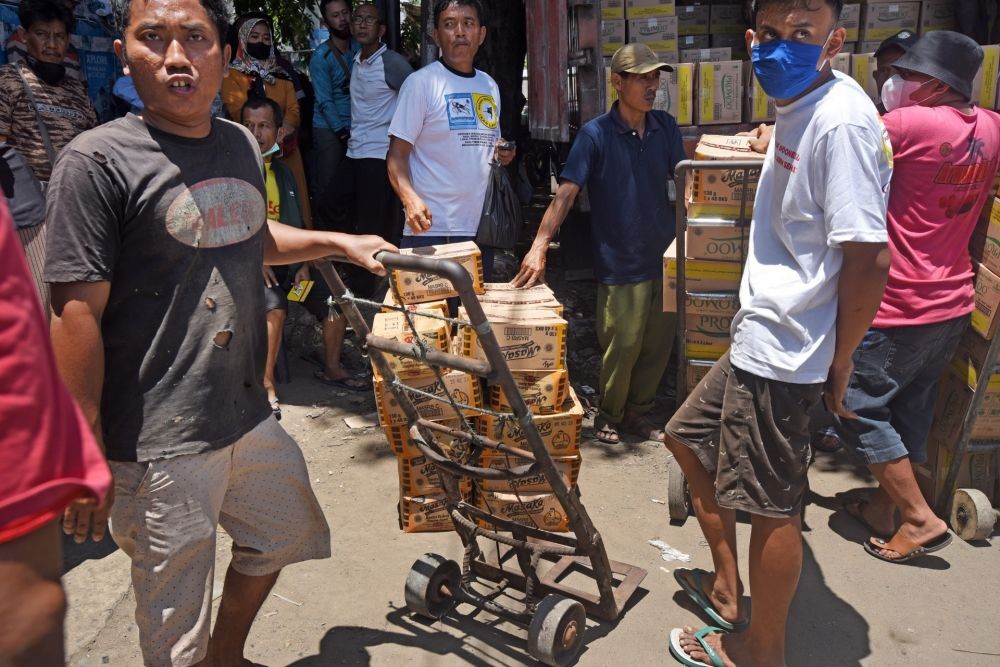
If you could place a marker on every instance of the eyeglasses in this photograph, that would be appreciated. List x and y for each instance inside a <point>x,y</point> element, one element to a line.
<point>364,20</point>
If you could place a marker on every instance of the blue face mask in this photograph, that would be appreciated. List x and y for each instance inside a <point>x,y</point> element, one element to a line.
<point>785,69</point>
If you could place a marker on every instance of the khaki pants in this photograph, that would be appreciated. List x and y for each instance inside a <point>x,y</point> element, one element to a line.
<point>637,338</point>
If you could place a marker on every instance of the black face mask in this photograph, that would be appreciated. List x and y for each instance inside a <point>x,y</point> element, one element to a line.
<point>50,73</point>
<point>259,51</point>
<point>342,34</point>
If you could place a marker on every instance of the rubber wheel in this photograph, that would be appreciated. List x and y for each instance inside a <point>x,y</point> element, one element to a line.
<point>555,635</point>
<point>678,500</point>
<point>423,592</point>
<point>972,516</point>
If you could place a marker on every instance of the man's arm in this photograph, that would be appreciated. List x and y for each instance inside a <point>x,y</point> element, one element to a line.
<point>418,216</point>
<point>288,245</point>
<point>77,309</point>
<point>862,280</point>
<point>533,267</point>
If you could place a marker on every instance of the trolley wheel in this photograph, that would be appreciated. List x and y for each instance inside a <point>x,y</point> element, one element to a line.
<point>429,585</point>
<point>678,500</point>
<point>972,516</point>
<point>555,635</point>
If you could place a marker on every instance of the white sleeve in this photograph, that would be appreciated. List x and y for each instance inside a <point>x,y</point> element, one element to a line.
<point>411,108</point>
<point>853,185</point>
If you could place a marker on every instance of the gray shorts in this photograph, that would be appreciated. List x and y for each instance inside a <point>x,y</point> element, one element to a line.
<point>752,433</point>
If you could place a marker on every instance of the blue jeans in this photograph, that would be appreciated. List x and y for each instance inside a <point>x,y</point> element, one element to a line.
<point>425,240</point>
<point>893,387</point>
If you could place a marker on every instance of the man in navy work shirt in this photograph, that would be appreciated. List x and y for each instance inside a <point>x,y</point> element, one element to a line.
<point>625,158</point>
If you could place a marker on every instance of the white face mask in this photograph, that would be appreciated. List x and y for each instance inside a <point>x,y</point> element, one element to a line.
<point>896,92</point>
<point>271,151</point>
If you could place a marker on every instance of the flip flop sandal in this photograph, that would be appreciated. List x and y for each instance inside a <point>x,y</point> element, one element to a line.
<point>681,656</point>
<point>276,409</point>
<point>856,509</point>
<point>906,549</point>
<point>697,595</point>
<point>610,437</point>
<point>342,384</point>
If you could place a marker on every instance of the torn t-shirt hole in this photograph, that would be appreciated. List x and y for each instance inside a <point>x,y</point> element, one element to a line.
<point>222,339</point>
<point>210,303</point>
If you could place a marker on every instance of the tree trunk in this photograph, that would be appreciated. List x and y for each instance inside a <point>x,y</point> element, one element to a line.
<point>502,57</point>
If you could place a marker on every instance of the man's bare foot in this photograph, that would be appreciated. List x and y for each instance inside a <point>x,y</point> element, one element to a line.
<point>725,605</point>
<point>923,534</point>
<point>731,649</point>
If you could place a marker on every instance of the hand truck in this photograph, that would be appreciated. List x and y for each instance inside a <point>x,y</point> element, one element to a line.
<point>554,613</point>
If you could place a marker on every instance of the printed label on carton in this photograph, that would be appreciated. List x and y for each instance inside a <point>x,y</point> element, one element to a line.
<point>417,287</point>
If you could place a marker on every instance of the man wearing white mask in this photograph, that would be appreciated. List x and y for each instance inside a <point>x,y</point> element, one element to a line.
<point>945,151</point>
<point>816,265</point>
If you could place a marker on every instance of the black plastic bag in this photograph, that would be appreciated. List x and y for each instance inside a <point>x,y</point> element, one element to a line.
<point>501,220</point>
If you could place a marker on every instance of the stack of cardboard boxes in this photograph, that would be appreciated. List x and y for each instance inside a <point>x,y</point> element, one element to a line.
<point>532,337</point>
<point>956,391</point>
<point>715,250</point>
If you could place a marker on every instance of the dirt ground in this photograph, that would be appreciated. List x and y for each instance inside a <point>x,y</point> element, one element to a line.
<point>348,610</point>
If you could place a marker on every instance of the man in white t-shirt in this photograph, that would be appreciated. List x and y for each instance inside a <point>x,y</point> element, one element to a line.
<point>444,134</point>
<point>816,267</point>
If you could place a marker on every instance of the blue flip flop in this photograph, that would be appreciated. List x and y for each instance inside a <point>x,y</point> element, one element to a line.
<point>681,656</point>
<point>697,595</point>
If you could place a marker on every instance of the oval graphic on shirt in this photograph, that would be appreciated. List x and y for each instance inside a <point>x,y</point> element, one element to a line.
<point>216,212</point>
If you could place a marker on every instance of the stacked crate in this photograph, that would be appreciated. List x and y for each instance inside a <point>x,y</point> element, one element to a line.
<point>422,506</point>
<point>531,333</point>
<point>715,250</point>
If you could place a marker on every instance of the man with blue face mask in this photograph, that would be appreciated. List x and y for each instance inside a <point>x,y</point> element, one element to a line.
<point>816,267</point>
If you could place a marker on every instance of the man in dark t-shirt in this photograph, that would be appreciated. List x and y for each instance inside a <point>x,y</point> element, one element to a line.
<point>158,234</point>
<point>625,158</point>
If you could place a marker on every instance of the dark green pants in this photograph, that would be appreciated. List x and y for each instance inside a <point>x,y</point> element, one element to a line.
<point>637,338</point>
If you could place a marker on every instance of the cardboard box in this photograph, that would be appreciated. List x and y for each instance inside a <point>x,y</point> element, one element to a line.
<point>612,36</point>
<point>440,307</point>
<point>977,471</point>
<point>693,20</point>
<point>419,287</point>
<point>403,446</point>
<point>720,93</point>
<point>881,20</point>
<point>718,55</point>
<point>937,15</point>
<point>659,34</point>
<point>708,332</point>
<point>713,193</point>
<point>531,509</point>
<point>954,397</point>
<point>701,348</point>
<point>850,20</point>
<point>567,466</point>
<point>842,62</point>
<point>418,476</point>
<point>712,304</point>
<point>736,42</point>
<point>696,370</point>
<point>560,432</point>
<point>685,42</point>
<point>701,276</point>
<point>716,239</point>
<point>758,107</point>
<point>635,9</point>
<point>985,244</point>
<point>863,71</point>
<point>984,86</point>
<point>463,387</point>
<point>543,391</point>
<point>984,317</point>
<point>867,47</point>
<point>613,9</point>
<point>434,333</point>
<point>727,19</point>
<point>538,296</point>
<point>675,94</point>
<point>850,48</point>
<point>529,340</point>
<point>424,514</point>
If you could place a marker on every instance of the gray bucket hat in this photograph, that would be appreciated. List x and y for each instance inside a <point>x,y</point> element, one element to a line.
<point>949,57</point>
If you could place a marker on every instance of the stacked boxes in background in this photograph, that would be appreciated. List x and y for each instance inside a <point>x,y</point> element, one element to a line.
<point>881,20</point>
<point>421,497</point>
<point>715,245</point>
<point>956,392</point>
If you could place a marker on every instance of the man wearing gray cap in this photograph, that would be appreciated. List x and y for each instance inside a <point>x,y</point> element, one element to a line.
<point>888,52</point>
<point>625,159</point>
<point>945,152</point>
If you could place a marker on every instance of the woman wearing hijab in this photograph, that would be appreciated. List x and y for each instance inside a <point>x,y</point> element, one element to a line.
<point>255,72</point>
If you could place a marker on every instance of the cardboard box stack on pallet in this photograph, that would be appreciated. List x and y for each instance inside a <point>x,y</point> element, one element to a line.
<point>715,246</point>
<point>956,391</point>
<point>531,333</point>
<point>421,497</point>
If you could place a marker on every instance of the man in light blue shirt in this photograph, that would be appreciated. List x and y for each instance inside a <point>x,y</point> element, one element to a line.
<point>330,71</point>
